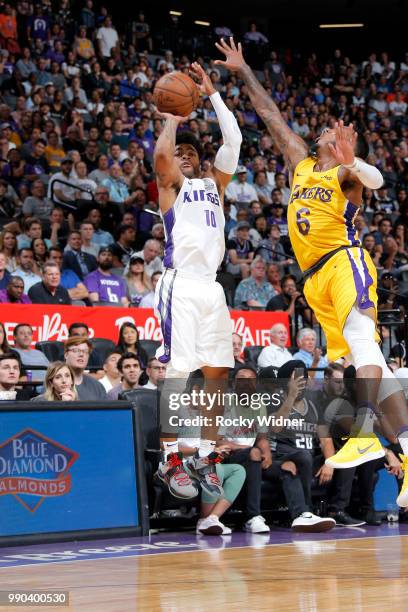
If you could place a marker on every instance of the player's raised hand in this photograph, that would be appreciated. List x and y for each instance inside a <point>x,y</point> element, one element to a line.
<point>346,138</point>
<point>234,59</point>
<point>202,79</point>
<point>175,118</point>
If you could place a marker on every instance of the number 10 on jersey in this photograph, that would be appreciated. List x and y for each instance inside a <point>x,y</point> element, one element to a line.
<point>210,218</point>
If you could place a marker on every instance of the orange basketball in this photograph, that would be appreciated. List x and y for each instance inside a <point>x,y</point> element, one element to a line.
<point>176,93</point>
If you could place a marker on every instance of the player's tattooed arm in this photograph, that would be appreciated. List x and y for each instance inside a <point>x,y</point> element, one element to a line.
<point>292,147</point>
<point>168,175</point>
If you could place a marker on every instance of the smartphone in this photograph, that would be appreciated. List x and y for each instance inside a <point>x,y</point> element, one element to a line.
<point>299,373</point>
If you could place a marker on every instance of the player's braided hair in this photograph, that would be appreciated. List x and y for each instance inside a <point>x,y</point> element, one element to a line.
<point>186,137</point>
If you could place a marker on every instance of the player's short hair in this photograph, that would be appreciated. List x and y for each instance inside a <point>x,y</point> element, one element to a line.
<point>185,137</point>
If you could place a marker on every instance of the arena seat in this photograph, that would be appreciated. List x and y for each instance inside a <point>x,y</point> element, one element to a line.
<point>52,349</point>
<point>251,353</point>
<point>150,347</point>
<point>227,282</point>
<point>147,401</point>
<point>103,346</point>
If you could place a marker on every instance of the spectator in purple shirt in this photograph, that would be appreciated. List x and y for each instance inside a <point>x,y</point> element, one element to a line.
<point>14,293</point>
<point>103,286</point>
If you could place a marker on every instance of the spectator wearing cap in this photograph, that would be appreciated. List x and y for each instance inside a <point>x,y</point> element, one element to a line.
<point>151,257</point>
<point>240,251</point>
<point>138,283</point>
<point>254,291</point>
<point>14,292</point>
<point>103,286</point>
<point>277,214</point>
<point>123,248</point>
<point>276,354</point>
<point>50,290</point>
<point>240,192</point>
<point>75,259</point>
<point>58,190</point>
<point>309,353</point>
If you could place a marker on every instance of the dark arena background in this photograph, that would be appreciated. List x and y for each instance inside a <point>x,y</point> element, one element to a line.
<point>299,503</point>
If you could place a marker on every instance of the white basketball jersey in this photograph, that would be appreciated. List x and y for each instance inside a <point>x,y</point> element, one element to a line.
<point>194,229</point>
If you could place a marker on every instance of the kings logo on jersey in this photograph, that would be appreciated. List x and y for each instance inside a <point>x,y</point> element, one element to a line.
<point>33,467</point>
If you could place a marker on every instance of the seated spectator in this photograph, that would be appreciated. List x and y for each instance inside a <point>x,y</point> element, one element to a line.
<point>128,342</point>
<point>309,353</point>
<point>262,188</point>
<point>112,375</point>
<point>83,181</point>
<point>147,300</point>
<point>8,248</point>
<point>137,281</point>
<point>374,249</point>
<point>76,259</point>
<point>240,192</point>
<point>274,277</point>
<point>276,354</point>
<point>32,231</point>
<point>50,290</point>
<point>156,373</point>
<point>280,183</point>
<point>123,248</point>
<point>247,446</point>
<point>37,205</point>
<point>100,236</point>
<point>59,384</point>
<point>130,371</point>
<point>76,354</point>
<point>69,280</point>
<point>151,257</point>
<point>25,268</point>
<point>254,291</point>
<point>58,190</point>
<point>237,346</point>
<point>14,293</point>
<point>86,231</point>
<point>54,153</point>
<point>81,330</point>
<point>10,371</point>
<point>290,300</point>
<point>240,252</point>
<point>295,445</point>
<point>4,273</point>
<point>40,252</point>
<point>271,249</point>
<point>118,190</point>
<point>101,172</point>
<point>7,206</point>
<point>102,285</point>
<point>23,340</point>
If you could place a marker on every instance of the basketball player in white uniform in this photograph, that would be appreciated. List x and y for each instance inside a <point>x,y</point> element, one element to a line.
<point>189,302</point>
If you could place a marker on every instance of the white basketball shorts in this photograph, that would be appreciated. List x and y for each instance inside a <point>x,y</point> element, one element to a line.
<point>195,323</point>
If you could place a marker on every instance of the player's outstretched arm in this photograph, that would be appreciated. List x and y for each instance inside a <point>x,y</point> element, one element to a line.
<point>227,157</point>
<point>168,175</point>
<point>293,148</point>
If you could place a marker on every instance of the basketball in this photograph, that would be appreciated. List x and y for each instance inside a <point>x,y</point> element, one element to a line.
<point>176,93</point>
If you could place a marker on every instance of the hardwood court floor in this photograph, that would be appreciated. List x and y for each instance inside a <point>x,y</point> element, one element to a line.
<point>309,575</point>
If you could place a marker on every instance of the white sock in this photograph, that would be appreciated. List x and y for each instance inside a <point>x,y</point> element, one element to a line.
<point>403,440</point>
<point>365,418</point>
<point>206,447</point>
<point>170,447</point>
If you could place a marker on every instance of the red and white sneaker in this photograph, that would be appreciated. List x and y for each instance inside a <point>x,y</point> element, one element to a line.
<point>173,473</point>
<point>203,469</point>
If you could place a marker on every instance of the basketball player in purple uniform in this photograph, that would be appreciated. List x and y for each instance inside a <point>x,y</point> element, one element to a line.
<point>189,302</point>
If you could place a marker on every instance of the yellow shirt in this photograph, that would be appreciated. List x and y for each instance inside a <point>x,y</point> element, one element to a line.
<point>320,218</point>
<point>54,156</point>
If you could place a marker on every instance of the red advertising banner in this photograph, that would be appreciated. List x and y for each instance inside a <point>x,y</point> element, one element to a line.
<point>52,322</point>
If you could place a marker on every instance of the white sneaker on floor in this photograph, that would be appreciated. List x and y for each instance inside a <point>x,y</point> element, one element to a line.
<point>211,525</point>
<point>256,524</point>
<point>309,522</point>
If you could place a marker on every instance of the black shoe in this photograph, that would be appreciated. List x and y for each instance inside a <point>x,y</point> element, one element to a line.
<point>372,518</point>
<point>345,520</point>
